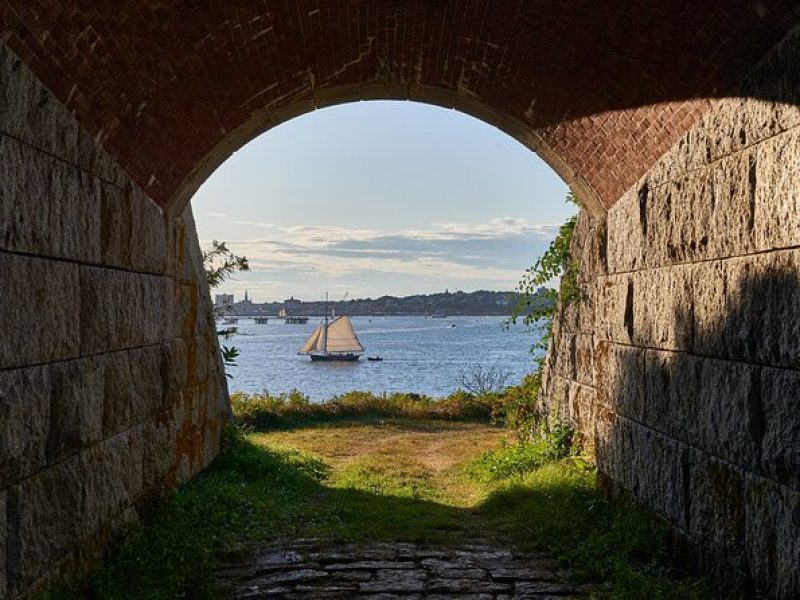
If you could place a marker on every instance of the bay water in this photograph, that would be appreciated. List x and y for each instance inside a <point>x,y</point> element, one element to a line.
<point>421,355</point>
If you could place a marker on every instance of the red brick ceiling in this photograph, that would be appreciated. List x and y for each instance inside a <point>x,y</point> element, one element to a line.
<point>602,88</point>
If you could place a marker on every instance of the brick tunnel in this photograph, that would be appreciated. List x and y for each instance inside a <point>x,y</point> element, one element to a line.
<point>675,123</point>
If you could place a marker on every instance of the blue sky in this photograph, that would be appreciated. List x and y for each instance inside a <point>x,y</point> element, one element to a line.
<point>377,198</point>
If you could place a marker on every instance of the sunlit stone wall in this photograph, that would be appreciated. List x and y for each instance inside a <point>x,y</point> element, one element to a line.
<point>682,365</point>
<point>111,386</point>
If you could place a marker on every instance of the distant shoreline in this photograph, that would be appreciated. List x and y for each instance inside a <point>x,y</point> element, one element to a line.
<point>482,303</point>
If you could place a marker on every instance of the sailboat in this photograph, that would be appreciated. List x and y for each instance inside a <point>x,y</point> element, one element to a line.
<point>333,340</point>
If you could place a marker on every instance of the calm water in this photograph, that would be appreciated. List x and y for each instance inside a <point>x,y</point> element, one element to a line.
<point>420,355</point>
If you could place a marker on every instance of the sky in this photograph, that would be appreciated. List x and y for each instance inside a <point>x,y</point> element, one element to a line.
<point>380,198</point>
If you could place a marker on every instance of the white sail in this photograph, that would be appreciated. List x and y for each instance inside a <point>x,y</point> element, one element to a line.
<point>342,337</point>
<point>314,342</point>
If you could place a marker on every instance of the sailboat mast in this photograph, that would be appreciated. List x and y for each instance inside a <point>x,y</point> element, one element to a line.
<point>325,327</point>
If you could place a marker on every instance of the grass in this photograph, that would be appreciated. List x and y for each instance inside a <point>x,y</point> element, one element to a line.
<point>434,480</point>
<point>294,409</point>
<point>617,546</point>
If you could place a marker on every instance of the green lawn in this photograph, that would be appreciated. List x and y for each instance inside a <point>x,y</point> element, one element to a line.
<point>390,479</point>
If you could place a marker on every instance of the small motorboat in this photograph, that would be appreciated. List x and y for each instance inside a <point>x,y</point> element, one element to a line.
<point>375,358</point>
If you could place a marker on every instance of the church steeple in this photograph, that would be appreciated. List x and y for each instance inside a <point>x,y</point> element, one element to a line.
<point>246,299</point>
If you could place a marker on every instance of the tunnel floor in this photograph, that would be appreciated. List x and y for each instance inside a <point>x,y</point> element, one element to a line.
<point>323,568</point>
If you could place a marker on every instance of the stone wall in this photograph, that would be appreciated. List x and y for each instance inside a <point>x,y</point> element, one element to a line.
<point>682,366</point>
<point>111,386</point>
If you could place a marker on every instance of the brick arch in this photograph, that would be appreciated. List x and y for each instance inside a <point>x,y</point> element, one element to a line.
<point>265,120</point>
<point>601,90</point>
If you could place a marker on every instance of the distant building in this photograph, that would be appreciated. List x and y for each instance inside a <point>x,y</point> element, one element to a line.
<point>291,303</point>
<point>223,300</point>
<point>246,306</point>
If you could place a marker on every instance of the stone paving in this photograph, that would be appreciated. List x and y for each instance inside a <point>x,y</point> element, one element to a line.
<point>317,568</point>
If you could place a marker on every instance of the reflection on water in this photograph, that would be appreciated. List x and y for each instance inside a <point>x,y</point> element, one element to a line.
<point>419,355</point>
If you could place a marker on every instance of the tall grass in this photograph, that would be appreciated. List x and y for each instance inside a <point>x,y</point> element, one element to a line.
<point>266,411</point>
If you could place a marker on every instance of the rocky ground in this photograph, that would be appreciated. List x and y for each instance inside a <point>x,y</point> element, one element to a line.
<point>320,568</point>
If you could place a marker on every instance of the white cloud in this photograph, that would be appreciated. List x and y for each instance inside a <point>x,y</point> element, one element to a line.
<point>495,252</point>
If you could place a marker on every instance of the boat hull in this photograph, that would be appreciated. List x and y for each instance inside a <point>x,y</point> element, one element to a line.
<point>335,357</point>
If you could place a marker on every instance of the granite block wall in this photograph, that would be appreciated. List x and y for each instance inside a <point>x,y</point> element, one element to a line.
<point>111,385</point>
<point>682,365</point>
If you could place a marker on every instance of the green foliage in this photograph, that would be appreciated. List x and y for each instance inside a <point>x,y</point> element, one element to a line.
<point>615,545</point>
<point>556,262</point>
<point>516,407</point>
<point>265,411</point>
<point>536,308</point>
<point>257,491</point>
<point>219,264</point>
<point>248,495</point>
<point>514,460</point>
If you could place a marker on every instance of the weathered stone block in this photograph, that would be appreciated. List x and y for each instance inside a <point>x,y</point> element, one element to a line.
<point>578,316</point>
<point>672,384</point>
<point>581,410</point>
<point>120,309</point>
<point>49,508</point>
<point>565,355</point>
<point>24,422</point>
<point>47,207</point>
<point>780,448</point>
<point>745,308</point>
<point>112,478</point>
<point>620,377</point>
<point>615,308</point>
<point>648,464</point>
<point>709,404</point>
<point>186,257</point>
<point>669,227</point>
<point>689,153</point>
<point>777,193</point>
<point>28,111</point>
<point>717,515</point>
<point>188,318</point>
<point>772,535</point>
<point>725,418</point>
<point>729,212</point>
<point>134,231</point>
<point>3,544</point>
<point>76,407</point>
<point>40,300</point>
<point>625,235</point>
<point>707,213</point>
<point>159,449</point>
<point>588,246</point>
<point>661,308</point>
<point>584,358</point>
<point>133,388</point>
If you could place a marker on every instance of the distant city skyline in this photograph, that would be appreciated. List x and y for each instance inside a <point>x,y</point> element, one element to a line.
<point>381,198</point>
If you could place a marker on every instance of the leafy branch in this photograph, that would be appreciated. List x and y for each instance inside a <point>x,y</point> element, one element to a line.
<point>537,306</point>
<point>219,264</point>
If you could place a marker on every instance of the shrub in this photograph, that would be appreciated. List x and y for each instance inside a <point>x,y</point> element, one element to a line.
<point>264,411</point>
<point>514,460</point>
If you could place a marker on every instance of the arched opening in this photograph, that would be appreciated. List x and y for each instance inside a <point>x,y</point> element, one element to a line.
<point>680,121</point>
<point>382,200</point>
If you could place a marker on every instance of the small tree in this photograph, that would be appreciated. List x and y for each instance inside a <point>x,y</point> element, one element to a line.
<point>479,381</point>
<point>220,263</point>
